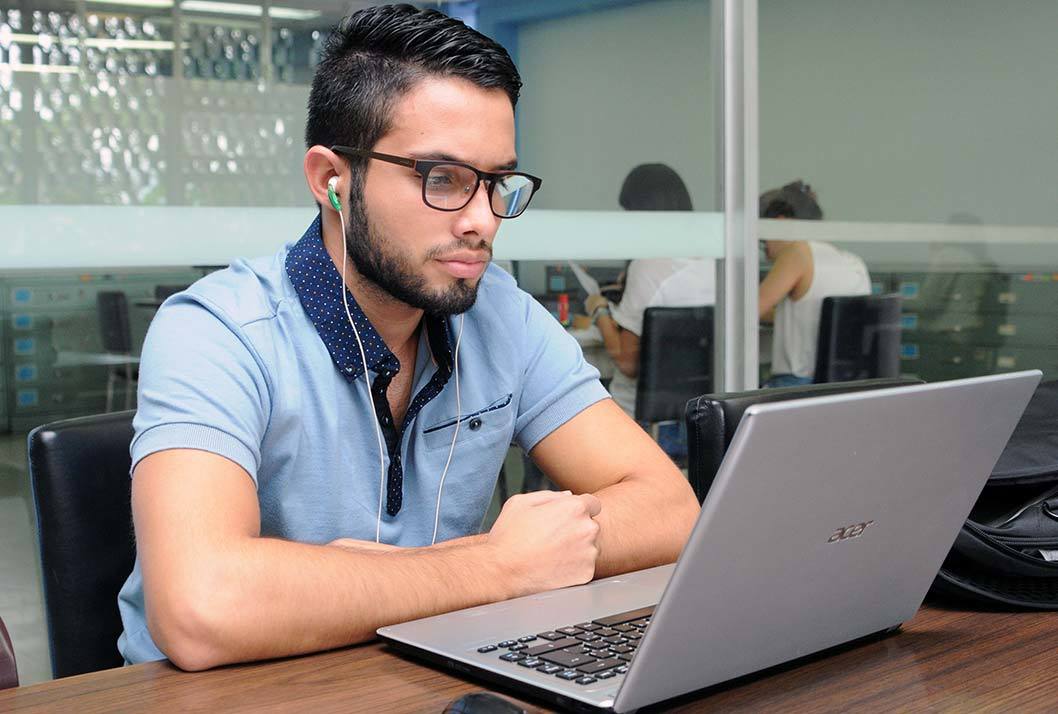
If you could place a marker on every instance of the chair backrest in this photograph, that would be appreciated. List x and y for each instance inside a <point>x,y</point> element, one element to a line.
<point>8,670</point>
<point>859,338</point>
<point>675,361</point>
<point>713,418</point>
<point>79,469</point>
<point>163,292</point>
<point>113,309</point>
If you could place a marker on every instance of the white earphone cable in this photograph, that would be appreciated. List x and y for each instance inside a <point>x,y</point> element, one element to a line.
<point>455,433</point>
<point>367,381</point>
<point>374,413</point>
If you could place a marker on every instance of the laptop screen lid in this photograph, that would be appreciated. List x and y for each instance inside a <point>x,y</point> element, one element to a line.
<point>828,520</point>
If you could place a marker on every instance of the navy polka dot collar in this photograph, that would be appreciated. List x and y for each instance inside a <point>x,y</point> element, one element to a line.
<point>316,281</point>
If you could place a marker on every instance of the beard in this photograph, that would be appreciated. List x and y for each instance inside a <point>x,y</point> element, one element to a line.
<point>392,272</point>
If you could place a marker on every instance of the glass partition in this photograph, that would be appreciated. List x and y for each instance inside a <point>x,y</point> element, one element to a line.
<point>630,177</point>
<point>928,138</point>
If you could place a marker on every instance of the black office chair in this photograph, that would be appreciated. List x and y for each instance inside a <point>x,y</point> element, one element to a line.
<point>675,361</point>
<point>713,418</point>
<point>859,338</point>
<point>79,469</point>
<point>114,327</point>
<point>8,668</point>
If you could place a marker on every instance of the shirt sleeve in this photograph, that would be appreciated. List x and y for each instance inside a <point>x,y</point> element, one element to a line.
<point>557,382</point>
<point>640,288</point>
<point>201,386</point>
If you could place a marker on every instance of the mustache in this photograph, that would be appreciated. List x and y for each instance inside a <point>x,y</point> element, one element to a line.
<point>460,246</point>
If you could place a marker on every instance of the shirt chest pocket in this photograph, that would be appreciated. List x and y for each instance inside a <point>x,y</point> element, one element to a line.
<point>491,421</point>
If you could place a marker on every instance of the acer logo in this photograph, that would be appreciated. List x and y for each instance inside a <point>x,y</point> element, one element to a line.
<point>854,531</point>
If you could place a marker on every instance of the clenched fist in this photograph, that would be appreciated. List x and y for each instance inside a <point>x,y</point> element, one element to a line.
<point>547,539</point>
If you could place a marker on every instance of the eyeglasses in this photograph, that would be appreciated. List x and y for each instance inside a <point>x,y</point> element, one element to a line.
<point>450,185</point>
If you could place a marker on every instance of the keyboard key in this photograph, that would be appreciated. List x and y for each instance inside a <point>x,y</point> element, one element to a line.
<point>617,640</point>
<point>549,668</point>
<point>634,636</point>
<point>517,647</point>
<point>527,638</point>
<point>568,659</point>
<point>512,657</point>
<point>569,631</point>
<point>599,666</point>
<point>625,657</point>
<point>588,626</point>
<point>622,669</point>
<point>605,631</point>
<point>623,628</point>
<point>507,643</point>
<point>552,646</point>
<point>550,635</point>
<point>588,637</point>
<point>623,617</point>
<point>530,662</point>
<point>596,645</point>
<point>605,675</point>
<point>582,650</point>
<point>622,649</point>
<point>586,680</point>
<point>487,648</point>
<point>568,674</point>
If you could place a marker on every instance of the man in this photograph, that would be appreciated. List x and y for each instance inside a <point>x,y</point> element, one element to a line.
<point>801,275</point>
<point>281,505</point>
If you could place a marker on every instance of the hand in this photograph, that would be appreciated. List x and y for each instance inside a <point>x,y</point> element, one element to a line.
<point>593,303</point>
<point>547,539</point>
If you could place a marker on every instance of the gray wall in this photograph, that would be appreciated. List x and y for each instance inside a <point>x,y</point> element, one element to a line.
<point>914,110</point>
<point>605,91</point>
<point>907,110</point>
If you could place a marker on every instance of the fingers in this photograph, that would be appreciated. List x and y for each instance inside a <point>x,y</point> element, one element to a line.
<point>536,498</point>
<point>591,503</point>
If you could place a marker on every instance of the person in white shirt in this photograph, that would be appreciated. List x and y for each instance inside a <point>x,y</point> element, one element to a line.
<point>654,282</point>
<point>802,274</point>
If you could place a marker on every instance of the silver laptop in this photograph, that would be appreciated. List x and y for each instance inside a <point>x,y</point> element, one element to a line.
<point>827,522</point>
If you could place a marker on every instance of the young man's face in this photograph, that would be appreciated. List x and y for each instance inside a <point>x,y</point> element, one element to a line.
<point>427,258</point>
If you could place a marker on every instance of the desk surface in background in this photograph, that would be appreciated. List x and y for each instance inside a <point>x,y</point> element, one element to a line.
<point>943,660</point>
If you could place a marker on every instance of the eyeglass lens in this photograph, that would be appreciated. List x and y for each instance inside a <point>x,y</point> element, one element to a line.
<point>449,187</point>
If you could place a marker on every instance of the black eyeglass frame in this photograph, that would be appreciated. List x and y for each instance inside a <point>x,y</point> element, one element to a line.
<point>423,168</point>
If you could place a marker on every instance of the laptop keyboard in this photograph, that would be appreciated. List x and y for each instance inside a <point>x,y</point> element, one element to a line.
<point>582,653</point>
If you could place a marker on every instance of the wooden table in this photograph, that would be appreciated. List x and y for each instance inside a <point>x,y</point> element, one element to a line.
<point>944,660</point>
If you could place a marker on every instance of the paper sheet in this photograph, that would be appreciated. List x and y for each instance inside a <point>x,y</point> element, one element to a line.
<point>590,284</point>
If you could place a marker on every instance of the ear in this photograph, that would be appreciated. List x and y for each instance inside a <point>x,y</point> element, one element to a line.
<point>321,165</point>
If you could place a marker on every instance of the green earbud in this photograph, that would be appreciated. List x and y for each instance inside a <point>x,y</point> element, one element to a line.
<point>332,194</point>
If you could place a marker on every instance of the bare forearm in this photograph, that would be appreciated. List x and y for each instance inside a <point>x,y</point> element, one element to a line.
<point>642,527</point>
<point>271,598</point>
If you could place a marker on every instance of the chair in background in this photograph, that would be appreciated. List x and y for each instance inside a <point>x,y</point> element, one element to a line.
<point>8,670</point>
<point>859,338</point>
<point>675,362</point>
<point>79,469</point>
<point>713,418</point>
<point>113,309</point>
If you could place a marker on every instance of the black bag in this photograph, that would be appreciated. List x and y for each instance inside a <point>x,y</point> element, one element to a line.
<point>1007,552</point>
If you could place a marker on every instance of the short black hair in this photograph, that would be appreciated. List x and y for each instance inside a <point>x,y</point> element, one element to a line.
<point>794,200</point>
<point>376,55</point>
<point>654,187</point>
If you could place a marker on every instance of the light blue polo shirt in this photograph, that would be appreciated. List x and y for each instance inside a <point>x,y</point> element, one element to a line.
<point>235,366</point>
